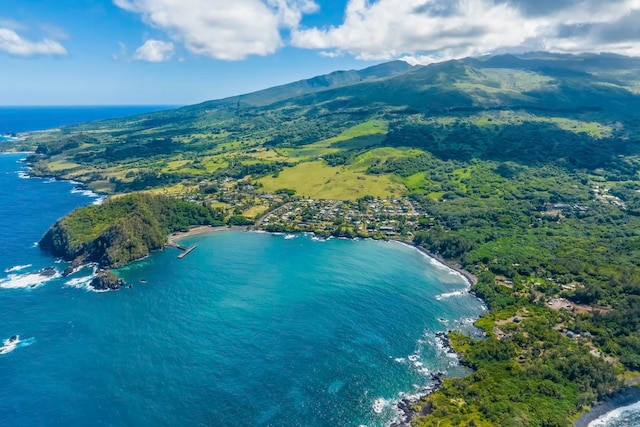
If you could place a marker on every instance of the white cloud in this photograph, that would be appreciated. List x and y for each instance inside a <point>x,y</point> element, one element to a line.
<point>222,29</point>
<point>290,11</point>
<point>424,31</point>
<point>154,51</point>
<point>421,31</point>
<point>14,44</point>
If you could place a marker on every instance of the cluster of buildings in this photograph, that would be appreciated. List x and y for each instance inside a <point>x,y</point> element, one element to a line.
<point>367,217</point>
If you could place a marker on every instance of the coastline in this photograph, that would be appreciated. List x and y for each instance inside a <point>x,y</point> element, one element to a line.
<point>472,279</point>
<point>405,407</point>
<point>203,229</point>
<point>626,397</point>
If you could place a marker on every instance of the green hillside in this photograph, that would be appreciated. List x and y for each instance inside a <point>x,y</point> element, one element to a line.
<point>522,169</point>
<point>123,229</point>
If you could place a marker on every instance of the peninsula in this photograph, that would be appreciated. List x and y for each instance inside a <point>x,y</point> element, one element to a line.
<point>524,170</point>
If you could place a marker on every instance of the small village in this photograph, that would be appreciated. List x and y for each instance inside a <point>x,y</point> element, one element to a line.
<point>366,217</point>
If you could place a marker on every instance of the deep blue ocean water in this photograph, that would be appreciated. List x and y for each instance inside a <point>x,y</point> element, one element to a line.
<point>22,119</point>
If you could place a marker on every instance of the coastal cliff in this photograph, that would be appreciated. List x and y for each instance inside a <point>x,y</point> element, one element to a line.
<point>123,229</point>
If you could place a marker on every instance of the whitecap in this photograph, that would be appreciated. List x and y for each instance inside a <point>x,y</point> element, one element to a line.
<point>23,175</point>
<point>26,281</point>
<point>424,371</point>
<point>450,294</point>
<point>378,405</point>
<point>85,192</point>
<point>400,359</point>
<point>79,282</point>
<point>290,236</point>
<point>413,357</point>
<point>10,344</point>
<point>615,415</point>
<point>16,268</point>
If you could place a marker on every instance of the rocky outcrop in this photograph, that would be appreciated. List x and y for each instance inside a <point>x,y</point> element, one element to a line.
<point>107,281</point>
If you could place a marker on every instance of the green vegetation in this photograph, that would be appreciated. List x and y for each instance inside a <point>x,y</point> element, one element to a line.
<point>523,169</point>
<point>320,181</point>
<point>123,229</point>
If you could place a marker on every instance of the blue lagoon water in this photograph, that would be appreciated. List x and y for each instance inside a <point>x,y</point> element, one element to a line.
<point>249,329</point>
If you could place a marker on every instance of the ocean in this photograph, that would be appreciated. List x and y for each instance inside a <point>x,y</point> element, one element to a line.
<point>23,119</point>
<point>249,329</point>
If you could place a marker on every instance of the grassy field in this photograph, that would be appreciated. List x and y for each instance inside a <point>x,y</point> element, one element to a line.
<point>320,181</point>
<point>364,135</point>
<point>415,182</point>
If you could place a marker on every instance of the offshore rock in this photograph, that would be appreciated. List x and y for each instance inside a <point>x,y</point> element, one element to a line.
<point>107,281</point>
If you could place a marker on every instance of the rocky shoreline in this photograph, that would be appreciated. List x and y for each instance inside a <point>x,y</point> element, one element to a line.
<point>405,408</point>
<point>624,397</point>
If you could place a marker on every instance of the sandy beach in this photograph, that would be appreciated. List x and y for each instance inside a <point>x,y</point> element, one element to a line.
<point>203,229</point>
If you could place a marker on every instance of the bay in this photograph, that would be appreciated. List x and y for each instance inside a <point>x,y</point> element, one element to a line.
<point>249,329</point>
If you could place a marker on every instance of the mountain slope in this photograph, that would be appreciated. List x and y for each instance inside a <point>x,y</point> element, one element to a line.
<point>488,108</point>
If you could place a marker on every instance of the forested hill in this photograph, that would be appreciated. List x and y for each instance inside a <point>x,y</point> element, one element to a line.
<point>123,229</point>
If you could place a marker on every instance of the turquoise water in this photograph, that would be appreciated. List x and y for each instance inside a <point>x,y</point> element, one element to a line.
<point>249,329</point>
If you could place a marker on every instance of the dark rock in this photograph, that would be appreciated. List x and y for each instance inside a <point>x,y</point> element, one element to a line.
<point>77,263</point>
<point>107,280</point>
<point>48,272</point>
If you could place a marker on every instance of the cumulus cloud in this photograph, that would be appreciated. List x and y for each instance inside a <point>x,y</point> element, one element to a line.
<point>154,51</point>
<point>222,29</point>
<point>420,31</point>
<point>14,44</point>
<point>423,31</point>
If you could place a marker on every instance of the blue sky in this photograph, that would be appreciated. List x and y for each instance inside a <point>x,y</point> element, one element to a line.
<point>89,52</point>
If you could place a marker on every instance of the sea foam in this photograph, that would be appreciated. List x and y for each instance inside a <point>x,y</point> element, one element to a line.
<point>610,417</point>
<point>10,346</point>
<point>450,294</point>
<point>16,268</point>
<point>26,281</point>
